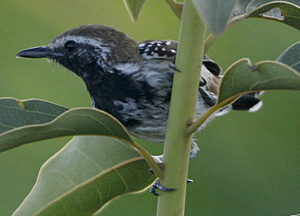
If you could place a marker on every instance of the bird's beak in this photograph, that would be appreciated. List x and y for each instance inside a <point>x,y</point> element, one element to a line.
<point>39,52</point>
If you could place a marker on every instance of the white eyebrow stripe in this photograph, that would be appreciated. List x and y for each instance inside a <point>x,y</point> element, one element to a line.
<point>59,42</point>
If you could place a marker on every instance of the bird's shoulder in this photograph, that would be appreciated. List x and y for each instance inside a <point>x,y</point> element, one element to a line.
<point>167,50</point>
<point>158,49</point>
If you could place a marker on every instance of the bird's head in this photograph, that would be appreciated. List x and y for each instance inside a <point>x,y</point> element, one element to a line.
<point>87,49</point>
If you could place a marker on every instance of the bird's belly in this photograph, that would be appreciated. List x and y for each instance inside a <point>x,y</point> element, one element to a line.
<point>149,133</point>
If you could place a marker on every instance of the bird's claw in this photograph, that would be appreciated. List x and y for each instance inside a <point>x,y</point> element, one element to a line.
<point>157,185</point>
<point>172,65</point>
<point>151,171</point>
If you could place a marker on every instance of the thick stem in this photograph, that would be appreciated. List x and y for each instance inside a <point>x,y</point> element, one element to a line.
<point>182,110</point>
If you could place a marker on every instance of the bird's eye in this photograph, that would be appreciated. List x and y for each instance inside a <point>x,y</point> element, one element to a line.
<point>70,46</point>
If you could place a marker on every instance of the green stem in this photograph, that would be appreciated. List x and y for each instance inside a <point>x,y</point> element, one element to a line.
<point>176,7</point>
<point>196,125</point>
<point>149,159</point>
<point>209,42</point>
<point>182,110</point>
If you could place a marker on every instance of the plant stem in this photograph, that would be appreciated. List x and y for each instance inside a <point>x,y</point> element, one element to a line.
<point>149,159</point>
<point>176,7</point>
<point>182,110</point>
<point>196,125</point>
<point>209,42</point>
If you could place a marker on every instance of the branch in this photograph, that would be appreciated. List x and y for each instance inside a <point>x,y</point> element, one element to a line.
<point>182,110</point>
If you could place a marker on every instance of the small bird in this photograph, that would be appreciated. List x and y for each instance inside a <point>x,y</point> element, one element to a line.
<point>133,80</point>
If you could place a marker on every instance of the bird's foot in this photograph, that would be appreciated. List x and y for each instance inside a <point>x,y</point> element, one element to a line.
<point>158,186</point>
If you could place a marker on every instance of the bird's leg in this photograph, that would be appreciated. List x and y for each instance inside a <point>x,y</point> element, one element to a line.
<point>157,185</point>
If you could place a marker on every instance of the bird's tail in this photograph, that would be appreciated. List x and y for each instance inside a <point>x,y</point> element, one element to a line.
<point>249,102</point>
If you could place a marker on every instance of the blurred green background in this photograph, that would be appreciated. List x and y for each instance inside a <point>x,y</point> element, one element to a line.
<point>249,163</point>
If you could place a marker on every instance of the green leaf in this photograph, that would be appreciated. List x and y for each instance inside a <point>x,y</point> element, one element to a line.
<point>291,56</point>
<point>216,13</point>
<point>17,113</point>
<point>78,121</point>
<point>282,12</point>
<point>84,176</point>
<point>134,8</point>
<point>287,12</point>
<point>247,6</point>
<point>89,171</point>
<point>244,77</point>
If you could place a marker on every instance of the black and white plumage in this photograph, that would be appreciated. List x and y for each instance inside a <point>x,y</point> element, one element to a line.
<point>132,80</point>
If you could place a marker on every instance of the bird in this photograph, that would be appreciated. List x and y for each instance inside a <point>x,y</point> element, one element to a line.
<point>133,80</point>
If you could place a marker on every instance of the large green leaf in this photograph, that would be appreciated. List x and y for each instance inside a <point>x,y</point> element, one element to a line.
<point>283,12</point>
<point>222,14</point>
<point>287,12</point>
<point>243,77</point>
<point>216,13</point>
<point>247,6</point>
<point>46,122</point>
<point>17,113</point>
<point>89,171</point>
<point>134,8</point>
<point>85,175</point>
<point>42,121</point>
<point>291,56</point>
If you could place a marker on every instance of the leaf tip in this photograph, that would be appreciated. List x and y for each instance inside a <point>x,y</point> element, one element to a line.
<point>134,8</point>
